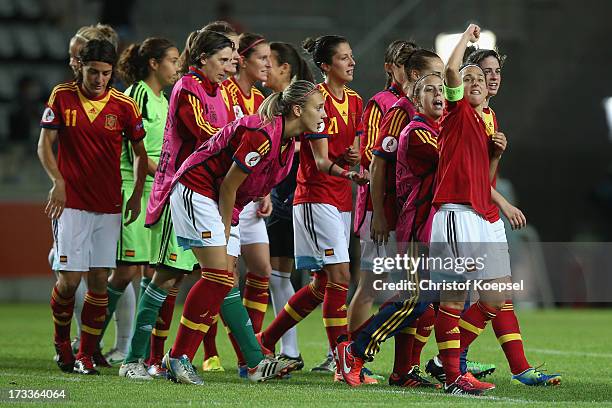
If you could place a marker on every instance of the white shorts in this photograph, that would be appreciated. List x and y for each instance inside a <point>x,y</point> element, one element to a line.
<point>478,249</point>
<point>85,239</point>
<point>370,250</point>
<point>252,228</point>
<point>233,244</point>
<point>321,234</point>
<point>196,219</point>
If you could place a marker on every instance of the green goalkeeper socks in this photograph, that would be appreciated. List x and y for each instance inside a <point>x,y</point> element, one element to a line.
<point>237,319</point>
<point>146,314</point>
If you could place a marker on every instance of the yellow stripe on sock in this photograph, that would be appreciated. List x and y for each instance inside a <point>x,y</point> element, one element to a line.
<point>409,330</point>
<point>262,307</point>
<point>160,333</point>
<point>61,322</point>
<point>449,344</point>
<point>60,299</point>
<point>447,313</point>
<point>422,339</point>
<point>293,313</point>
<point>334,321</point>
<point>256,284</point>
<point>470,327</point>
<point>509,337</point>
<point>91,330</point>
<point>194,326</point>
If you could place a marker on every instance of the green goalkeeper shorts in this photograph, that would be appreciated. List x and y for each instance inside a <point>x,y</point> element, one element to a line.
<point>165,251</point>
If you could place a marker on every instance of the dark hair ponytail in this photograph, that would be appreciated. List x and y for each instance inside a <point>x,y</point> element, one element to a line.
<point>322,49</point>
<point>391,56</point>
<point>287,54</point>
<point>133,63</point>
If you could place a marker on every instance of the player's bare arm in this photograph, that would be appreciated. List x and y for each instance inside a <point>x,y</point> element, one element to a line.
<point>513,214</point>
<point>500,143</point>
<point>132,207</point>
<point>453,77</point>
<point>56,200</point>
<point>324,165</point>
<point>379,231</point>
<point>227,195</point>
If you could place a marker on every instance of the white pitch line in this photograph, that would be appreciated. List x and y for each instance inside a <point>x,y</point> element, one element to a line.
<point>46,377</point>
<point>570,353</point>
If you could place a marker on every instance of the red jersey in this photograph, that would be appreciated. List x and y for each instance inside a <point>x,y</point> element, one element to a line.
<point>490,121</point>
<point>342,124</point>
<point>238,103</point>
<point>372,118</point>
<point>90,134</point>
<point>385,147</point>
<point>463,169</point>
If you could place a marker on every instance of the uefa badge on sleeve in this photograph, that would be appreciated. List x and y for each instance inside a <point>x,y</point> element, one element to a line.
<point>48,115</point>
<point>252,159</point>
<point>389,144</point>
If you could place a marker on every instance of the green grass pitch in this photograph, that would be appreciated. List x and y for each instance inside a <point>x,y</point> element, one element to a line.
<point>575,343</point>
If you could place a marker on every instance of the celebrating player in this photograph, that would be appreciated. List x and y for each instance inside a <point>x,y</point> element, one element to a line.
<point>243,161</point>
<point>88,117</point>
<point>505,323</point>
<point>417,158</point>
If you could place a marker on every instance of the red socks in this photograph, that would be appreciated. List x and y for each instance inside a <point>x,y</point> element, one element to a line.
<point>508,334</point>
<point>404,341</point>
<point>298,307</point>
<point>200,310</point>
<point>334,311</point>
<point>255,299</point>
<point>62,309</point>
<point>448,339</point>
<point>162,327</point>
<point>425,325</point>
<point>92,322</point>
<point>473,321</point>
<point>210,343</point>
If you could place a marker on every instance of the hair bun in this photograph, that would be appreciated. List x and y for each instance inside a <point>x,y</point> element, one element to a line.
<point>309,45</point>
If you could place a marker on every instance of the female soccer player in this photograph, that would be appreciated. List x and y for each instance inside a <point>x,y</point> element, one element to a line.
<point>147,68</point>
<point>243,161</point>
<point>417,158</point>
<point>125,311</point>
<point>361,305</point>
<point>89,118</point>
<point>323,198</point>
<point>196,112</point>
<point>505,324</point>
<point>286,66</point>
<point>463,226</point>
<point>244,98</point>
<point>417,62</point>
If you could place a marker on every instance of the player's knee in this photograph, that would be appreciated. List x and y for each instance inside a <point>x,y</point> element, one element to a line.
<point>453,305</point>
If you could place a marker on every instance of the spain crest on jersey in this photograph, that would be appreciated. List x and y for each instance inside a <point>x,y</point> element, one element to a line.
<point>110,122</point>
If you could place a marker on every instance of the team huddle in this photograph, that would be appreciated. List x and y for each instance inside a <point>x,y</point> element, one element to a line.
<point>156,187</point>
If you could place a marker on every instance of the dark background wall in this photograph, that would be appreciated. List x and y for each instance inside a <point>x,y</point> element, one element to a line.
<point>550,104</point>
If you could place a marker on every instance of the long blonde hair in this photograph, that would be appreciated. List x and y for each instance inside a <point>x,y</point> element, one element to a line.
<point>280,103</point>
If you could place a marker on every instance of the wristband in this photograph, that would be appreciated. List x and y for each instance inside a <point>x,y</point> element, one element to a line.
<point>453,94</point>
